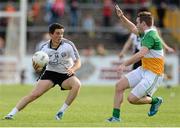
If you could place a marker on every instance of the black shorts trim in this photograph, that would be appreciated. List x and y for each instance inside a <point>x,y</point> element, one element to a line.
<point>55,77</point>
<point>137,64</point>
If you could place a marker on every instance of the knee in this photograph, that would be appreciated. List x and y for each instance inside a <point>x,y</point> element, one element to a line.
<point>121,86</point>
<point>118,88</point>
<point>77,86</point>
<point>131,100</point>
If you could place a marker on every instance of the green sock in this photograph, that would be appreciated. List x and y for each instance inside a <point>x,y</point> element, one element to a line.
<point>116,112</point>
<point>154,100</point>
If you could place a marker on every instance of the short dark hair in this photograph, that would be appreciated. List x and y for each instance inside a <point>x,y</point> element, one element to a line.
<point>54,26</point>
<point>146,17</point>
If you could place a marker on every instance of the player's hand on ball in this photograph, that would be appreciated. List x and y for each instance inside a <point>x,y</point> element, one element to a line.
<point>36,67</point>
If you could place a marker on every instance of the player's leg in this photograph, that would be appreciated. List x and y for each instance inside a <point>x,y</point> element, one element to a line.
<point>121,85</point>
<point>143,100</point>
<point>154,101</point>
<point>135,100</point>
<point>130,80</point>
<point>41,87</point>
<point>73,84</point>
<point>138,94</point>
<point>147,86</point>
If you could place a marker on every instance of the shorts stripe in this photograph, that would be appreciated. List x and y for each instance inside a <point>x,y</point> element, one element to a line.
<point>153,84</point>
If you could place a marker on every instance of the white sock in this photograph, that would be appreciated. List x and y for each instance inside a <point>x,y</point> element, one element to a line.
<point>64,108</point>
<point>13,111</point>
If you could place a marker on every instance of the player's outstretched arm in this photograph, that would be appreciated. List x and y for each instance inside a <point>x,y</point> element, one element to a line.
<point>136,57</point>
<point>127,23</point>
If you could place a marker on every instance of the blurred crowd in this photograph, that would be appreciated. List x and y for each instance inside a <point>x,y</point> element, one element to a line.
<point>84,15</point>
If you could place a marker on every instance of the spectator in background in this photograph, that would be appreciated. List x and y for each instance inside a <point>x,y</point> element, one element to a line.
<point>88,51</point>
<point>2,46</point>
<point>122,33</point>
<point>74,13</point>
<point>3,25</point>
<point>10,8</point>
<point>89,25</point>
<point>36,10</point>
<point>161,6</point>
<point>48,15</point>
<point>130,9</point>
<point>100,50</point>
<point>30,18</point>
<point>174,4</point>
<point>107,13</point>
<point>57,10</point>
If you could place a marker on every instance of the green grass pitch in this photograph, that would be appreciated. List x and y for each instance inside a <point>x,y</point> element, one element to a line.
<point>91,108</point>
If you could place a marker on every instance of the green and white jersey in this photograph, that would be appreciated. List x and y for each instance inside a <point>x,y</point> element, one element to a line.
<point>154,60</point>
<point>62,57</point>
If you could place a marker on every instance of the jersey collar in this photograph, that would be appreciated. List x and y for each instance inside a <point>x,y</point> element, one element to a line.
<point>150,29</point>
<point>50,42</point>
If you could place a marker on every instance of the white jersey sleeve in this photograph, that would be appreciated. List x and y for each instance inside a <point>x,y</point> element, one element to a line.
<point>73,51</point>
<point>136,41</point>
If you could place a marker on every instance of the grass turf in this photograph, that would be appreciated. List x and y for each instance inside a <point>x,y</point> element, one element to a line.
<point>91,108</point>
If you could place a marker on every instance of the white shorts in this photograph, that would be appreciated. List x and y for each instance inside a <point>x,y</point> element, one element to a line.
<point>143,82</point>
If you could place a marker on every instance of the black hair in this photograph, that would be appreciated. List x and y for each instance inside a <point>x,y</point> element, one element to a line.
<point>54,26</point>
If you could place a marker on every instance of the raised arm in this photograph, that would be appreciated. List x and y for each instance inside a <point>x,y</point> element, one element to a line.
<point>127,23</point>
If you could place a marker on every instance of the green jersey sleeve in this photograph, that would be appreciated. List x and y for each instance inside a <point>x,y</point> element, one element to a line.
<point>148,41</point>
